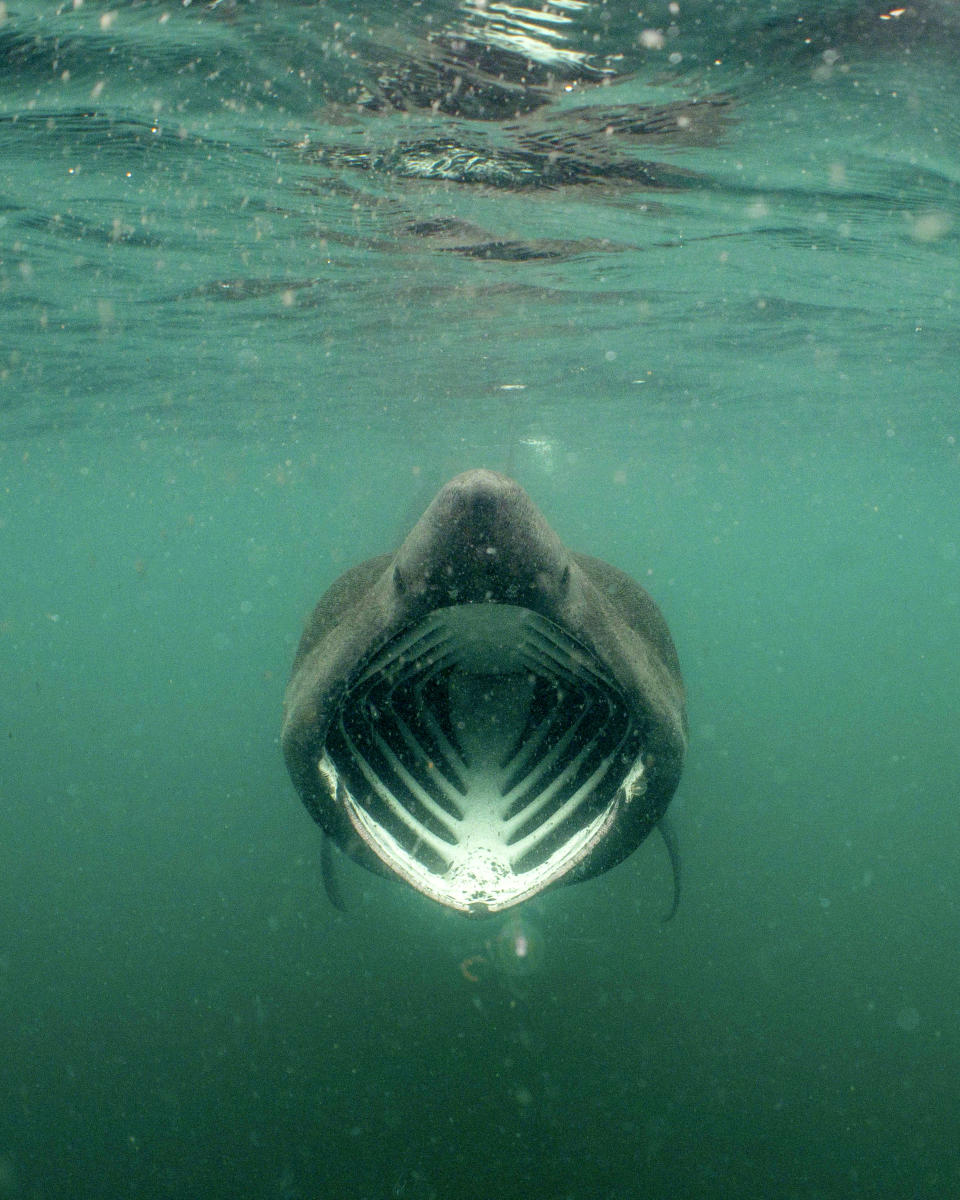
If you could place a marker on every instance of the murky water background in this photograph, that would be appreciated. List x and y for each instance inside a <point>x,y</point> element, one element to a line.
<point>258,300</point>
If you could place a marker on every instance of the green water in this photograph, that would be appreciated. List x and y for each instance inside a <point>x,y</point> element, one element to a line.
<point>232,365</point>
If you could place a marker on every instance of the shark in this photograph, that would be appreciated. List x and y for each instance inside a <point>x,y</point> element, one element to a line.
<point>485,714</point>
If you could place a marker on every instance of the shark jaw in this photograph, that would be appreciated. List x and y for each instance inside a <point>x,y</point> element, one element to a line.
<point>482,754</point>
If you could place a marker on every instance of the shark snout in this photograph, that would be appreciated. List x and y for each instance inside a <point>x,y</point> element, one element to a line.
<point>481,504</point>
<point>483,540</point>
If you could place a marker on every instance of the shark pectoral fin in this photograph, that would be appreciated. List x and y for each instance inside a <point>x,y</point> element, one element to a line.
<point>328,873</point>
<point>669,836</point>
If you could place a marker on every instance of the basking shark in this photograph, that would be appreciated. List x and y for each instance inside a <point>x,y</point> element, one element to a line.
<point>486,714</point>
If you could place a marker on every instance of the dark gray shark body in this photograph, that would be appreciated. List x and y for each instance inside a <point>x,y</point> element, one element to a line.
<point>486,714</point>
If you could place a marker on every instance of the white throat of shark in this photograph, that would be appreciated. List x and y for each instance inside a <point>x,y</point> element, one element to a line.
<point>482,754</point>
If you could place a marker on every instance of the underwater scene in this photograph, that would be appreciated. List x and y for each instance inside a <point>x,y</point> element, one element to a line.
<point>596,837</point>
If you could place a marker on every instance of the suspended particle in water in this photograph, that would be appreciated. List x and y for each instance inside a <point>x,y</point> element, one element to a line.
<point>518,948</point>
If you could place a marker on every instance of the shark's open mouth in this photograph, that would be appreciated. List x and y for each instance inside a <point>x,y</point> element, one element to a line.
<point>482,754</point>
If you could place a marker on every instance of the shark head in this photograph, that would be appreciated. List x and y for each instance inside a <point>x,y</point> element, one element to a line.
<point>484,714</point>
